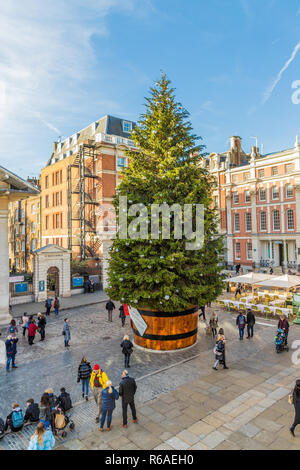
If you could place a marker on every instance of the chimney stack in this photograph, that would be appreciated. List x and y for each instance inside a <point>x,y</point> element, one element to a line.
<point>235,150</point>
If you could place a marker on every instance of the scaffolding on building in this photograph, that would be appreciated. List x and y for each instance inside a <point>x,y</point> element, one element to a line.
<point>83,183</point>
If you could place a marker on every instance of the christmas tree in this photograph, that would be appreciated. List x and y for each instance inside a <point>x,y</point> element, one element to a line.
<point>153,272</point>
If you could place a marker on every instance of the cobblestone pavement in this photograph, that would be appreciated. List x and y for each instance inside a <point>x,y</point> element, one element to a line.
<point>182,403</point>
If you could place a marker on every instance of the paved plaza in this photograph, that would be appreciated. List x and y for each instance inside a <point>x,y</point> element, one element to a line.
<point>182,403</point>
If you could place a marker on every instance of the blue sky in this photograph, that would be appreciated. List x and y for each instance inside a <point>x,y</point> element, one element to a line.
<point>66,63</point>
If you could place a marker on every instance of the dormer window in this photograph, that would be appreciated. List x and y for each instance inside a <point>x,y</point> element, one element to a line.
<point>127,127</point>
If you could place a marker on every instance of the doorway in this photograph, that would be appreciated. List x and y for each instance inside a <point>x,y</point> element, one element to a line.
<point>53,282</point>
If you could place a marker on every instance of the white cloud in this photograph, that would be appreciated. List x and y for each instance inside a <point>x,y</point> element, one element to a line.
<point>279,76</point>
<point>46,59</point>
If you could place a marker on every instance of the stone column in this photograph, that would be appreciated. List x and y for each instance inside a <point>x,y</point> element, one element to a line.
<point>4,263</point>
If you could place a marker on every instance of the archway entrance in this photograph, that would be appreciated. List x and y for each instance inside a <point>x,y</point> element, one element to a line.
<point>52,282</point>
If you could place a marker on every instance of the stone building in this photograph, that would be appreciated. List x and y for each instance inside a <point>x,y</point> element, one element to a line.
<point>12,188</point>
<point>258,199</point>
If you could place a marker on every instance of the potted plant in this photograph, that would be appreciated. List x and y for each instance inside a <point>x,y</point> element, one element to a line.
<point>149,270</point>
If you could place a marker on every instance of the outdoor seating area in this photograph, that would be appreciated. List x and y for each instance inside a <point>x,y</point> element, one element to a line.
<point>263,294</point>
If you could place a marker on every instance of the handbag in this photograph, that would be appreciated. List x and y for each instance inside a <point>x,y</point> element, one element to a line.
<point>291,399</point>
<point>63,332</point>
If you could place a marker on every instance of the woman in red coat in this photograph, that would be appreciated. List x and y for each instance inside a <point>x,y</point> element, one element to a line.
<point>32,327</point>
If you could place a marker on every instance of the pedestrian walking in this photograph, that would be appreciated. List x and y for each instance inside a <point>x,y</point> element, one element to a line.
<point>32,328</point>
<point>127,349</point>
<point>213,323</point>
<point>238,290</point>
<point>11,351</point>
<point>45,410</point>
<point>56,305</point>
<point>109,397</point>
<point>202,314</point>
<point>42,439</point>
<point>12,329</point>
<point>25,323</point>
<point>110,306</point>
<point>66,332</point>
<point>48,305</point>
<point>241,324</point>
<point>250,323</point>
<point>42,325</point>
<point>294,399</point>
<point>122,315</point>
<point>219,351</point>
<point>283,324</point>
<point>98,382</point>
<point>127,390</point>
<point>84,375</point>
<point>15,420</point>
<point>237,269</point>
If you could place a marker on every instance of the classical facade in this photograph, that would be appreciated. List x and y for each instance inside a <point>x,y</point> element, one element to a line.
<point>258,199</point>
<point>77,187</point>
<point>12,188</point>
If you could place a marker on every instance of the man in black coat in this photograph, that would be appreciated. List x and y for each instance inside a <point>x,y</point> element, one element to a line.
<point>250,323</point>
<point>110,306</point>
<point>127,391</point>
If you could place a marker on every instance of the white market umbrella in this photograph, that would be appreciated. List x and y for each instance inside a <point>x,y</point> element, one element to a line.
<point>249,278</point>
<point>285,282</point>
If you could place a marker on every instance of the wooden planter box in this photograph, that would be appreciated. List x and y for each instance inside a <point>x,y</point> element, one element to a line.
<point>168,331</point>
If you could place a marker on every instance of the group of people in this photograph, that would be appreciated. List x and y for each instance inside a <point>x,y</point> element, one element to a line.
<point>44,414</point>
<point>110,306</point>
<point>105,394</point>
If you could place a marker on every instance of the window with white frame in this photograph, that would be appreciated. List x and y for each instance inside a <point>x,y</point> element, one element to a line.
<point>261,173</point>
<point>23,214</point>
<point>275,192</point>
<point>274,170</point>
<point>290,219</point>
<point>234,178</point>
<point>237,250</point>
<point>33,244</point>
<point>247,196</point>
<point>288,190</point>
<point>246,176</point>
<point>33,209</point>
<point>276,220</point>
<point>236,198</point>
<point>23,229</point>
<point>23,246</point>
<point>289,168</point>
<point>248,222</point>
<point>32,227</point>
<point>262,194</point>
<point>263,221</point>
<point>236,222</point>
<point>249,250</point>
<point>121,162</point>
<point>127,127</point>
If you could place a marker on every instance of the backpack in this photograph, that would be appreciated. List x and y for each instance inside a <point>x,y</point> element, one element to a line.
<point>97,382</point>
<point>12,329</point>
<point>66,402</point>
<point>241,320</point>
<point>220,347</point>
<point>17,419</point>
<point>60,421</point>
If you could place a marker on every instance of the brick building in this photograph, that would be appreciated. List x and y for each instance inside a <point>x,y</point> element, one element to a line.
<point>79,178</point>
<point>258,198</point>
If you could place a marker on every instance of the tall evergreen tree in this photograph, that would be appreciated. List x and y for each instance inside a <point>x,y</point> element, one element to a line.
<point>166,168</point>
